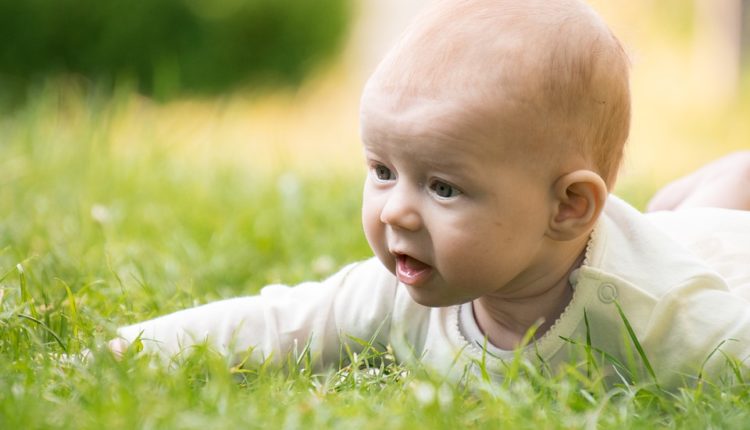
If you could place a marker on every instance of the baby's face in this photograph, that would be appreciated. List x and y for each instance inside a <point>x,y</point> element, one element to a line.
<point>447,206</point>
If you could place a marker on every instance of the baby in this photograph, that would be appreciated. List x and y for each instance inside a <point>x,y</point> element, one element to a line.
<point>492,133</point>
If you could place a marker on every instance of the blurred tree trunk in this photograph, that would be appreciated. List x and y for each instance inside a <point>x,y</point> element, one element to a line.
<point>745,41</point>
<point>720,45</point>
<point>379,25</point>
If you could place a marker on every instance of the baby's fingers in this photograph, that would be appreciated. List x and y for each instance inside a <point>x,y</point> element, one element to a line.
<point>118,347</point>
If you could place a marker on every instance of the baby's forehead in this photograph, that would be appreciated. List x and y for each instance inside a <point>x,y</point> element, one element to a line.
<point>398,115</point>
<point>480,47</point>
<point>447,128</point>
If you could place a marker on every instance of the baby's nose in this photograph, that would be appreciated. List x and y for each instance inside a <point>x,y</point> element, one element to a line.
<point>401,211</point>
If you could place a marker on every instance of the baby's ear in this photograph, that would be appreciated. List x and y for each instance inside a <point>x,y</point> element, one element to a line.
<point>578,199</point>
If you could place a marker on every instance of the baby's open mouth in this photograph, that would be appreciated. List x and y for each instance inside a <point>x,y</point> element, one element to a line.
<point>411,271</point>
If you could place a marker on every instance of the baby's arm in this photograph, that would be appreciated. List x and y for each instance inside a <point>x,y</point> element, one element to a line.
<point>723,183</point>
<point>355,301</point>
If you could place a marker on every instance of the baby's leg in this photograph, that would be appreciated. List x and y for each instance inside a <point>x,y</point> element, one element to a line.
<point>723,183</point>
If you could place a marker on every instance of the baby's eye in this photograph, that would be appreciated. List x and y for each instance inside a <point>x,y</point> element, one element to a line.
<point>383,173</point>
<point>444,190</point>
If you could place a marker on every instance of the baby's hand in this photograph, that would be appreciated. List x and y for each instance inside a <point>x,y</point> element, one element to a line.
<point>118,347</point>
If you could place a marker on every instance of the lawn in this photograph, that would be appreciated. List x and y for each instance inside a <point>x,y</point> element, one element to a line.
<point>108,219</point>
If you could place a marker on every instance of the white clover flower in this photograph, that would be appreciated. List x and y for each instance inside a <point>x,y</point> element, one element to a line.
<point>100,213</point>
<point>424,392</point>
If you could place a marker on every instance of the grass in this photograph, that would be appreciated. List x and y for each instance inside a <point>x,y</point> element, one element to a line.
<point>100,231</point>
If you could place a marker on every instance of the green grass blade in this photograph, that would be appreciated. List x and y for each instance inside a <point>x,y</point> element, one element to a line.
<point>735,366</point>
<point>637,344</point>
<point>46,329</point>
<point>72,307</point>
<point>617,364</point>
<point>591,364</point>
<point>25,294</point>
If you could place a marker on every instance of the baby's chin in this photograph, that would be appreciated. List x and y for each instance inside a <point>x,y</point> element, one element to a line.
<point>426,296</point>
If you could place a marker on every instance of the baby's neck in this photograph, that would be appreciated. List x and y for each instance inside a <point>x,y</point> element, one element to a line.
<point>506,320</point>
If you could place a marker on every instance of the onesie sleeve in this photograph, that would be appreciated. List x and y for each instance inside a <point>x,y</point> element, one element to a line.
<point>719,237</point>
<point>353,303</point>
<point>696,329</point>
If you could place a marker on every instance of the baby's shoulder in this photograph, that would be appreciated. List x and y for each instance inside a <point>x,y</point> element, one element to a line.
<point>708,232</point>
<point>660,251</point>
<point>719,237</point>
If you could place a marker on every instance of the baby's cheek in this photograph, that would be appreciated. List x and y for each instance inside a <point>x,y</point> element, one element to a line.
<point>375,235</point>
<point>373,228</point>
<point>468,259</point>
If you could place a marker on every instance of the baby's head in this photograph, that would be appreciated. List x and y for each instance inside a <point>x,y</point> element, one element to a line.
<point>519,108</point>
<point>545,76</point>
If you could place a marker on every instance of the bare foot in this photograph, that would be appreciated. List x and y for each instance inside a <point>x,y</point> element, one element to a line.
<point>723,183</point>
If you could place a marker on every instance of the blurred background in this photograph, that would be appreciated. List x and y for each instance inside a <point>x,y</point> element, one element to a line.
<point>155,154</point>
<point>159,154</point>
<point>274,84</point>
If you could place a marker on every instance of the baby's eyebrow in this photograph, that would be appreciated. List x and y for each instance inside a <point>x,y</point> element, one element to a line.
<point>454,165</point>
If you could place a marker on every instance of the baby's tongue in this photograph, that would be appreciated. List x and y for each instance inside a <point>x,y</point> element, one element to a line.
<point>414,265</point>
